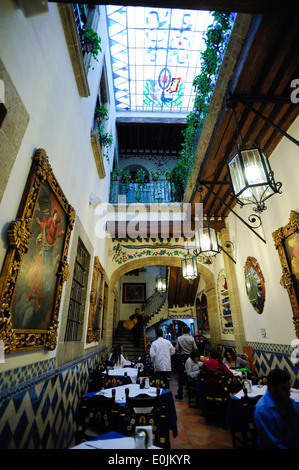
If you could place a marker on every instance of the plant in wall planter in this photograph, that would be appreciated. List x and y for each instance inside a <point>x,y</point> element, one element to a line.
<point>90,42</point>
<point>140,176</point>
<point>116,174</point>
<point>168,174</point>
<point>126,177</point>
<point>156,174</point>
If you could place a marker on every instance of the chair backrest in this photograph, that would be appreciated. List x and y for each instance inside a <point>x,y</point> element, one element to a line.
<point>109,381</point>
<point>142,400</point>
<point>144,410</point>
<point>97,412</point>
<point>95,380</point>
<point>213,385</point>
<point>248,405</point>
<point>234,384</point>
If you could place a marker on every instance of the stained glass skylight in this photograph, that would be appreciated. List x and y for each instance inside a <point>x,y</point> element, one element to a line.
<point>155,54</point>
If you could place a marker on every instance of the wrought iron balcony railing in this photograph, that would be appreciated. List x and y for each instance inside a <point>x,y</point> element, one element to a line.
<point>145,193</point>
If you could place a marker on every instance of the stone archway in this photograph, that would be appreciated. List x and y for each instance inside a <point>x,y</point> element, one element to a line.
<point>206,275</point>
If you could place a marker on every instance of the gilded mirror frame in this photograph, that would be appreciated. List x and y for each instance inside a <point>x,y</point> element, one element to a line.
<point>35,266</point>
<point>286,240</point>
<point>252,263</point>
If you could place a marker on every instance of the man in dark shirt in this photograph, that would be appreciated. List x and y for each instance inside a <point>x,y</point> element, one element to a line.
<point>201,342</point>
<point>185,345</point>
<point>137,328</point>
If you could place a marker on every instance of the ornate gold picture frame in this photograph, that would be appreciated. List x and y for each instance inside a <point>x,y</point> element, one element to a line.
<point>96,302</point>
<point>35,266</point>
<point>286,241</point>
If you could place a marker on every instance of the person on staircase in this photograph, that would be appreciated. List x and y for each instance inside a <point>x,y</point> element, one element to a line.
<point>138,327</point>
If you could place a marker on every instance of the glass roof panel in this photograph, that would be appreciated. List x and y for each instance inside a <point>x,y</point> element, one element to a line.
<point>155,54</point>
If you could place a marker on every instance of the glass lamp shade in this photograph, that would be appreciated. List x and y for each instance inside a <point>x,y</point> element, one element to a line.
<point>189,268</point>
<point>206,241</point>
<point>251,177</point>
<point>161,283</point>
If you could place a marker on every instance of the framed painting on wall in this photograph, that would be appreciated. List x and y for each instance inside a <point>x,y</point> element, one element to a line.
<point>134,292</point>
<point>96,302</point>
<point>35,266</point>
<point>286,241</point>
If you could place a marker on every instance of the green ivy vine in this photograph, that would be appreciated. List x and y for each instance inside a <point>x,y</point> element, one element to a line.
<point>211,60</point>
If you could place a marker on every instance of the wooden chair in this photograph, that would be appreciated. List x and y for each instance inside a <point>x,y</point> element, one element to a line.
<point>249,436</point>
<point>234,385</point>
<point>97,415</point>
<point>145,410</point>
<point>114,381</point>
<point>99,380</point>
<point>214,393</point>
<point>191,391</point>
<point>95,380</point>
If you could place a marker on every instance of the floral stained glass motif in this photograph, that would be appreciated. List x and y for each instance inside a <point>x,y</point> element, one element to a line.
<point>155,55</point>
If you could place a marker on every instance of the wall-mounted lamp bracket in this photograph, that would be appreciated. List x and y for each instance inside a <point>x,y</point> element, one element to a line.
<point>245,100</point>
<point>252,218</point>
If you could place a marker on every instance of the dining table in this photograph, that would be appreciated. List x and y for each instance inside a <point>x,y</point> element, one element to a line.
<point>110,440</point>
<point>235,417</point>
<point>131,372</point>
<point>166,400</point>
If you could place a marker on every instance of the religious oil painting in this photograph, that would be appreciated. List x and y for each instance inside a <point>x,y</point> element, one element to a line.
<point>96,302</point>
<point>286,241</point>
<point>134,292</point>
<point>35,266</point>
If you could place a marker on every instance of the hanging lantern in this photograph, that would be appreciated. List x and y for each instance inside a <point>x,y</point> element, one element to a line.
<point>189,268</point>
<point>251,177</point>
<point>206,241</point>
<point>161,283</point>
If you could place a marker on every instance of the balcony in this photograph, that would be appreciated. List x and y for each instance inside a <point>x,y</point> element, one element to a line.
<point>145,193</point>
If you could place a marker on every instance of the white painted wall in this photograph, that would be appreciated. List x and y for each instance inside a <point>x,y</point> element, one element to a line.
<point>276,318</point>
<point>35,54</point>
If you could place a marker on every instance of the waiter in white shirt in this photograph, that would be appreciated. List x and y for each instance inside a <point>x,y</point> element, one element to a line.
<point>160,353</point>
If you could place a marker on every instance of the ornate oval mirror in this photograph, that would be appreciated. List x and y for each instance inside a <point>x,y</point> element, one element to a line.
<point>255,284</point>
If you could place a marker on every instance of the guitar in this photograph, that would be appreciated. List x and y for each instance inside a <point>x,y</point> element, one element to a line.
<point>129,324</point>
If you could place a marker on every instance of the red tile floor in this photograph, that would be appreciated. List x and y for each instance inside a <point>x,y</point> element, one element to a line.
<point>193,432</point>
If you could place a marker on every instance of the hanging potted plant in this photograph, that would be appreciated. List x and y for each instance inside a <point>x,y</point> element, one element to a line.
<point>101,114</point>
<point>106,139</point>
<point>90,42</point>
<point>156,174</point>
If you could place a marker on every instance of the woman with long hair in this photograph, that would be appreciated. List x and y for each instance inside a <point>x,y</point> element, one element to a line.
<point>117,358</point>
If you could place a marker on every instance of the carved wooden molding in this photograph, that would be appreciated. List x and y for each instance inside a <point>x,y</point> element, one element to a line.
<point>35,265</point>
<point>286,240</point>
<point>97,153</point>
<point>74,46</point>
<point>96,302</point>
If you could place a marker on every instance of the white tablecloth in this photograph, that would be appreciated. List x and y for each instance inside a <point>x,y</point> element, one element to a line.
<point>134,390</point>
<point>120,442</point>
<point>261,390</point>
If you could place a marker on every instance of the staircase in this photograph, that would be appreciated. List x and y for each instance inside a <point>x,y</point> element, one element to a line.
<point>125,337</point>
